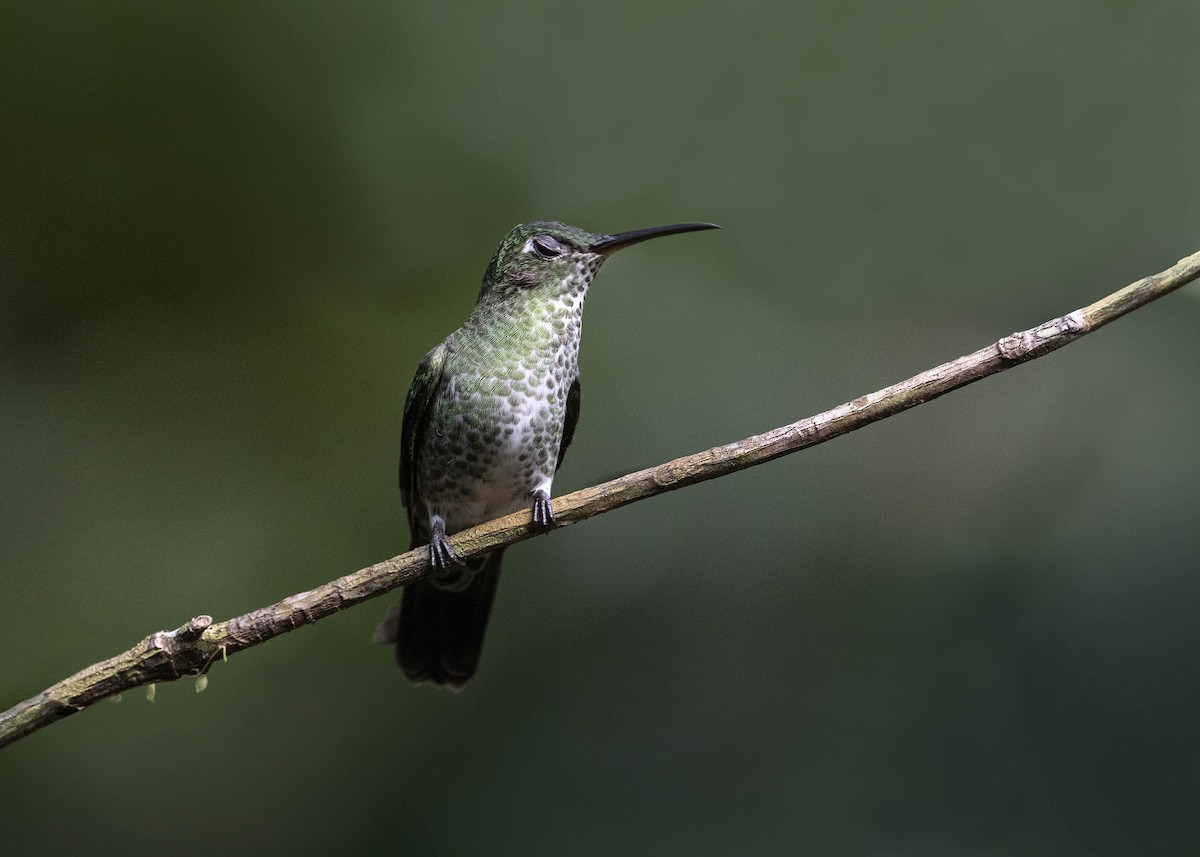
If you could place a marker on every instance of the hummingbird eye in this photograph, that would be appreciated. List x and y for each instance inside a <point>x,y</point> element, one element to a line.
<point>545,247</point>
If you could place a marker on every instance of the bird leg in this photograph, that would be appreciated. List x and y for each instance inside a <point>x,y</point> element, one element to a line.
<point>543,514</point>
<point>441,555</point>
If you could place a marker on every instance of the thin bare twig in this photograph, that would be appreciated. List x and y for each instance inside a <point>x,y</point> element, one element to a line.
<point>192,649</point>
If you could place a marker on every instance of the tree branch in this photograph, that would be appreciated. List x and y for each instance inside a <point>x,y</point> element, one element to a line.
<point>192,649</point>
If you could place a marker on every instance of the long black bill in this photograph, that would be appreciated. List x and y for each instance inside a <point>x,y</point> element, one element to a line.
<point>612,243</point>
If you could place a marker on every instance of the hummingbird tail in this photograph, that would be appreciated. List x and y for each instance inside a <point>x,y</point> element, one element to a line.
<point>439,632</point>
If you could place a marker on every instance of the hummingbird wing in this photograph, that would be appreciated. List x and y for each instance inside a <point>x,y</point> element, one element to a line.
<point>416,411</point>
<point>438,632</point>
<point>569,421</point>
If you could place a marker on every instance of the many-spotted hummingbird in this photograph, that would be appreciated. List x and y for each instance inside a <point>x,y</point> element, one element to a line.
<point>487,421</point>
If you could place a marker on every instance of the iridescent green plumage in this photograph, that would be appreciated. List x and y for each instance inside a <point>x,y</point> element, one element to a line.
<point>486,424</point>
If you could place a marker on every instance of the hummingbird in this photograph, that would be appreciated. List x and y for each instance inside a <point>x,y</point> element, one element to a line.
<point>487,421</point>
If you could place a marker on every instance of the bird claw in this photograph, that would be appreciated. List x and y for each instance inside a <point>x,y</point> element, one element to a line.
<point>441,555</point>
<point>543,513</point>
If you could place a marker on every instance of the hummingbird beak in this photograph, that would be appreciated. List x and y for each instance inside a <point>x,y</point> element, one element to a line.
<point>608,244</point>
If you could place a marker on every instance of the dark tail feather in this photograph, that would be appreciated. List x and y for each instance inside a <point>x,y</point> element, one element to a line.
<point>439,635</point>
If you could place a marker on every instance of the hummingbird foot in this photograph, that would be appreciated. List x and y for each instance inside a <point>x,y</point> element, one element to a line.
<point>543,514</point>
<point>441,555</point>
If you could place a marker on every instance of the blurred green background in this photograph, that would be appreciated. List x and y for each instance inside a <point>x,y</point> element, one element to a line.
<point>229,232</point>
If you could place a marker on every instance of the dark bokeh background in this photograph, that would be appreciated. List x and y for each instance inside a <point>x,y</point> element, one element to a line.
<point>228,233</point>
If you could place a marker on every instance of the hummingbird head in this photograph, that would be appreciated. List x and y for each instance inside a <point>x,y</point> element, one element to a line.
<point>550,259</point>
